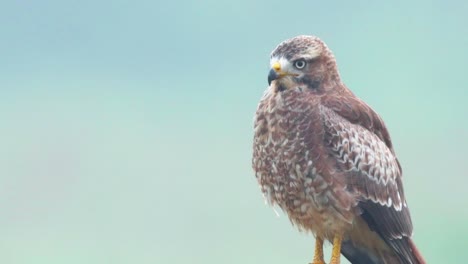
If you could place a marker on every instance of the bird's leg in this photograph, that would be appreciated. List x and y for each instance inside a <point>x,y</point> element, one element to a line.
<point>318,254</point>
<point>336,252</point>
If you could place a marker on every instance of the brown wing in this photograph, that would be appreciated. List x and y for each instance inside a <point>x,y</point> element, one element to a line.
<point>357,137</point>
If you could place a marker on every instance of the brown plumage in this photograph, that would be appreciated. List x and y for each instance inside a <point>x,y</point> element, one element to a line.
<point>326,158</point>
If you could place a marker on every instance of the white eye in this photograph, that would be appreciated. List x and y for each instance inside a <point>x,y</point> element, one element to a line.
<point>300,64</point>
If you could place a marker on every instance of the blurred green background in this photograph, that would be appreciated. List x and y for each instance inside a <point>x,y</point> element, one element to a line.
<point>126,126</point>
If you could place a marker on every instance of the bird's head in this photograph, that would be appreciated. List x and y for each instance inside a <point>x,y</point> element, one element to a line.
<point>305,62</point>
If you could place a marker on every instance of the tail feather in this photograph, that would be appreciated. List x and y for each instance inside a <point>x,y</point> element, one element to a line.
<point>359,255</point>
<point>406,250</point>
<point>417,255</point>
<point>402,252</point>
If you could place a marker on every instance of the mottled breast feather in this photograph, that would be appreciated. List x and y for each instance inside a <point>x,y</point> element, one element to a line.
<point>291,166</point>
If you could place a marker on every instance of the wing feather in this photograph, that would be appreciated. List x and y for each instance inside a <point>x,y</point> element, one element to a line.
<point>357,137</point>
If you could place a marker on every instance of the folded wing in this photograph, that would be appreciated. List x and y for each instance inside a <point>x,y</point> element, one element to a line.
<point>356,136</point>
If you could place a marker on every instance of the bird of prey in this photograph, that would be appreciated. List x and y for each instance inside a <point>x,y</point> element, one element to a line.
<point>326,158</point>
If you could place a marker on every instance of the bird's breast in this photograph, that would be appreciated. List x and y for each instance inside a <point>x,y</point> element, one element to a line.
<point>285,156</point>
<point>288,161</point>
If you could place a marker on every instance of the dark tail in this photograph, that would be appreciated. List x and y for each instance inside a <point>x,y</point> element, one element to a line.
<point>399,251</point>
<point>416,254</point>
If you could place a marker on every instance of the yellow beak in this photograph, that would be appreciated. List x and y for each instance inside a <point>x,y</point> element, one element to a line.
<point>276,73</point>
<point>276,66</point>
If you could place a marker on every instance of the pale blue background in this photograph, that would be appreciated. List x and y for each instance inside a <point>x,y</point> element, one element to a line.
<point>126,126</point>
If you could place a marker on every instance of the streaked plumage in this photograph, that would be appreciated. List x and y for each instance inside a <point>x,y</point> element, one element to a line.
<point>326,158</point>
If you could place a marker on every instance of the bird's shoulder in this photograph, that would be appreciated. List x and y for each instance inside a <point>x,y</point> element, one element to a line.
<point>354,110</point>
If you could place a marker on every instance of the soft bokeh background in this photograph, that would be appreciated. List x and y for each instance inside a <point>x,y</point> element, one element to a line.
<point>126,126</point>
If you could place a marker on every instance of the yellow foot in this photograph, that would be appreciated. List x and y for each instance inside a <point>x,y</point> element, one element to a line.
<point>318,255</point>
<point>336,252</point>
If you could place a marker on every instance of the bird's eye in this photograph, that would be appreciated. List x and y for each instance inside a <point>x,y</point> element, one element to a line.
<point>300,64</point>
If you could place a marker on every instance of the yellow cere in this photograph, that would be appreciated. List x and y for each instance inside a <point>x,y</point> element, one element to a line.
<point>276,66</point>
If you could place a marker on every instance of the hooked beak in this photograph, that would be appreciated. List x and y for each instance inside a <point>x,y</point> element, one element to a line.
<point>272,75</point>
<point>276,73</point>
